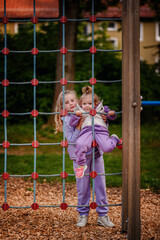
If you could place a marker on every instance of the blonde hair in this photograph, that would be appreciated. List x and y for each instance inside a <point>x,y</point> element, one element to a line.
<point>86,92</point>
<point>59,107</point>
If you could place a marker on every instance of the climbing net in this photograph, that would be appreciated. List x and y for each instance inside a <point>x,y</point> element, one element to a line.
<point>34,82</point>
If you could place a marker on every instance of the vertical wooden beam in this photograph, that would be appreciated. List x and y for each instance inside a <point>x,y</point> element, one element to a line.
<point>131,105</point>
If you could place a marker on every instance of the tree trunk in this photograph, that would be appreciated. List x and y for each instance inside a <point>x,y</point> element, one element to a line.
<point>71,12</point>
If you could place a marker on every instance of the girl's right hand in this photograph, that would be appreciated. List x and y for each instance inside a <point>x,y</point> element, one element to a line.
<point>81,120</point>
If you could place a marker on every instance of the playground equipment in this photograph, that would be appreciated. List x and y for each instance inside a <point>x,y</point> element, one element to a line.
<point>131,107</point>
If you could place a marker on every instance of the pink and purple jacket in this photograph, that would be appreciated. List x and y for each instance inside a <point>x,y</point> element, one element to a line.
<point>88,118</point>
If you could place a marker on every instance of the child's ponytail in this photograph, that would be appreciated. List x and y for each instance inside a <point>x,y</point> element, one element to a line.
<point>87,90</point>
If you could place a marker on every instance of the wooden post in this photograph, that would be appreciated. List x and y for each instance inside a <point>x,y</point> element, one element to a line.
<point>131,105</point>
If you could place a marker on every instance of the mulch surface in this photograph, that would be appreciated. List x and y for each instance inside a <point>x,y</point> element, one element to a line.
<point>55,223</point>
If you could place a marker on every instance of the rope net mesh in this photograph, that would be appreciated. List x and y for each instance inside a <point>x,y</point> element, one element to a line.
<point>27,17</point>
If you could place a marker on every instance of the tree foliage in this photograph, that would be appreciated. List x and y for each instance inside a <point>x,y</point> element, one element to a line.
<point>107,66</point>
<point>150,91</point>
<point>20,69</point>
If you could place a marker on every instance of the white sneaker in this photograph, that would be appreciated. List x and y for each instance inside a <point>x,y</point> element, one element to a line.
<point>114,135</point>
<point>105,221</point>
<point>82,221</point>
<point>119,144</point>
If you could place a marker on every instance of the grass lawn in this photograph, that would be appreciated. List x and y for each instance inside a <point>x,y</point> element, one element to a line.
<point>20,159</point>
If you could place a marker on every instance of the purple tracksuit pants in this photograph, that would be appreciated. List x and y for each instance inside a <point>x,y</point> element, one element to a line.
<point>83,186</point>
<point>84,142</point>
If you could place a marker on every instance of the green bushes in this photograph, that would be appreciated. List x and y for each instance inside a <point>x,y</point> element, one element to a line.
<point>20,160</point>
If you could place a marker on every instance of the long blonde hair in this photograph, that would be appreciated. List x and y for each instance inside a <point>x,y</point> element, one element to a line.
<point>59,107</point>
<point>86,92</point>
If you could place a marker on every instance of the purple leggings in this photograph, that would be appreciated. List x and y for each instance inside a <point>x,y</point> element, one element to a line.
<point>84,142</point>
<point>83,187</point>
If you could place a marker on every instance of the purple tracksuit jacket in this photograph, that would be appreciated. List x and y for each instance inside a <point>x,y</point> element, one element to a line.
<point>84,141</point>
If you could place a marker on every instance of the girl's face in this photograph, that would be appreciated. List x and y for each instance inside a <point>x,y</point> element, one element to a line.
<point>87,103</point>
<point>70,102</point>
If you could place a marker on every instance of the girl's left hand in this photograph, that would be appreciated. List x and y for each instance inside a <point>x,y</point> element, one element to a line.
<point>78,113</point>
<point>104,117</point>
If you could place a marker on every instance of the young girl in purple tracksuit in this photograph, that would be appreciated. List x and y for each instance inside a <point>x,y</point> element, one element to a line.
<point>83,184</point>
<point>102,138</point>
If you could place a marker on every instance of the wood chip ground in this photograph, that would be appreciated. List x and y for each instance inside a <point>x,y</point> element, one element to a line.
<point>54,223</point>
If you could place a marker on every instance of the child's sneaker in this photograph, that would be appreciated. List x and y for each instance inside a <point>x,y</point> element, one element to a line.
<point>119,144</point>
<point>105,221</point>
<point>82,221</point>
<point>80,171</point>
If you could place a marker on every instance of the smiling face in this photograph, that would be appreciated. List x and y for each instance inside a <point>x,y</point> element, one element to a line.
<point>70,102</point>
<point>87,103</point>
